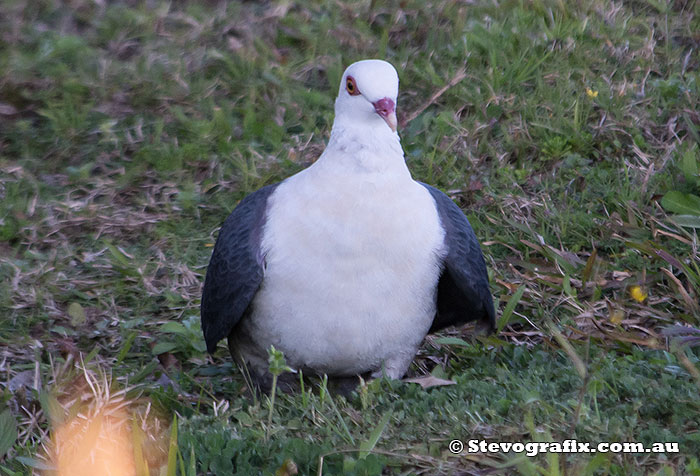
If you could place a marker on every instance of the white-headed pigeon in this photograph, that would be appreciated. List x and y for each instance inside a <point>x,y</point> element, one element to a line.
<point>347,265</point>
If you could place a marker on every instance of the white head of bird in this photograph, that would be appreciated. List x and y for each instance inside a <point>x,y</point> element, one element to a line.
<point>367,96</point>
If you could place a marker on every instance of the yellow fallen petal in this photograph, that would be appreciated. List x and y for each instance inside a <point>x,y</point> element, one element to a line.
<point>617,316</point>
<point>638,293</point>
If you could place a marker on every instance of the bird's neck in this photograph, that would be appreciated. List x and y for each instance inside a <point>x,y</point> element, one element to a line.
<point>367,148</point>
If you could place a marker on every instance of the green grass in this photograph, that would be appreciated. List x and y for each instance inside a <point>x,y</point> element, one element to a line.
<point>508,394</point>
<point>129,131</point>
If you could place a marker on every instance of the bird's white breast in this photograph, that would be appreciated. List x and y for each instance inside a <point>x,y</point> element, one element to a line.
<point>352,261</point>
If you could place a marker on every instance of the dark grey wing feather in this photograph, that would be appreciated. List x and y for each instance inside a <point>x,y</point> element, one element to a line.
<point>463,289</point>
<point>235,269</point>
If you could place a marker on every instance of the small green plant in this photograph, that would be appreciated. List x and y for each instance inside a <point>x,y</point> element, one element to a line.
<point>184,338</point>
<point>556,147</point>
<point>686,206</point>
<point>277,366</point>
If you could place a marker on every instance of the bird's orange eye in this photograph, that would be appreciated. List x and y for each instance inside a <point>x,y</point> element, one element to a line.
<point>351,86</point>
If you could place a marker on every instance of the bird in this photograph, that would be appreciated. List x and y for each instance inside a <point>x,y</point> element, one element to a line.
<point>347,265</point>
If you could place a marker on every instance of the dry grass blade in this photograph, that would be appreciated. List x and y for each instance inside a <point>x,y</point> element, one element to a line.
<point>689,366</point>
<point>456,79</point>
<point>579,364</point>
<point>690,303</point>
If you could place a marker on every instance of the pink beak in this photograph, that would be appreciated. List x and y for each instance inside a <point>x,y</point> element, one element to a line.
<point>386,108</point>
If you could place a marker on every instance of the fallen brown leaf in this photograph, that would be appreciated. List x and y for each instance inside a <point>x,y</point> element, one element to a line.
<point>428,381</point>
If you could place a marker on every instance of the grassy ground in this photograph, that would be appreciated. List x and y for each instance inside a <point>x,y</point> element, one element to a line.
<point>567,131</point>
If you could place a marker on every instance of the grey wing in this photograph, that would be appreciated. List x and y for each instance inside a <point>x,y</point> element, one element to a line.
<point>235,269</point>
<point>463,290</point>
